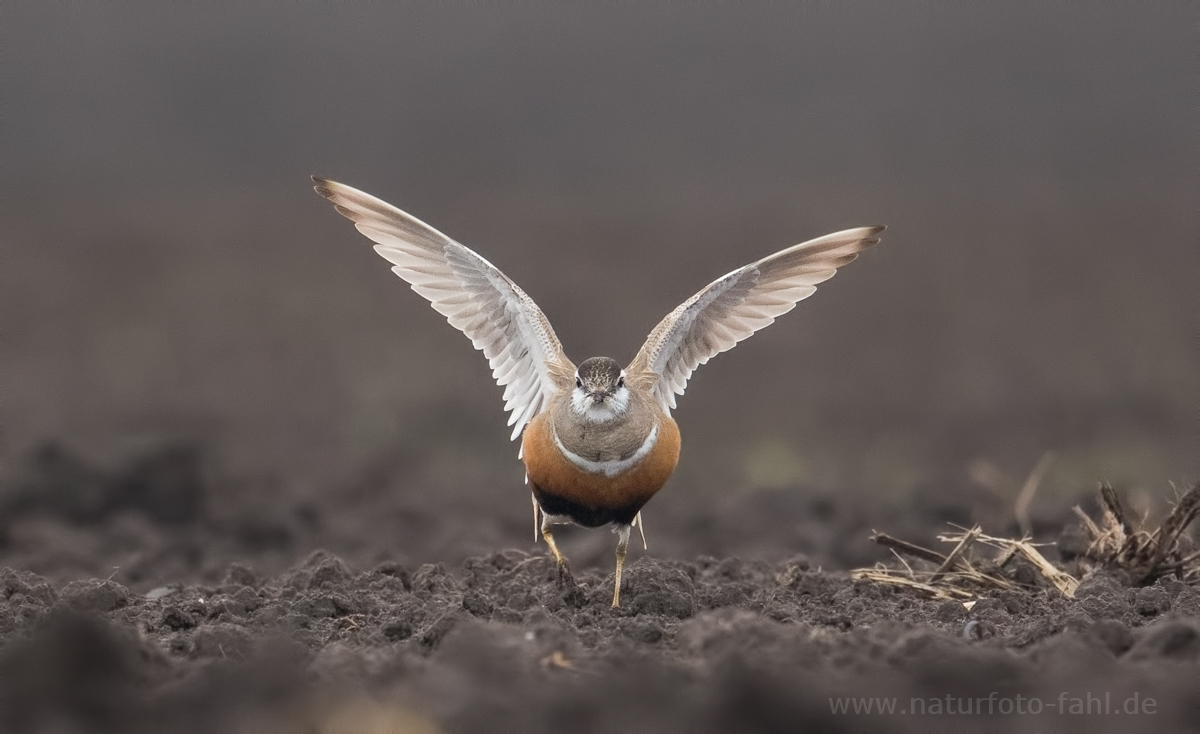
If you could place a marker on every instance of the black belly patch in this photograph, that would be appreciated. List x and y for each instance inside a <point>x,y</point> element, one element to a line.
<point>589,517</point>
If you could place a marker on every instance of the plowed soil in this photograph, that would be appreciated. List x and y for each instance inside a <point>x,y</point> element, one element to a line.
<point>213,620</point>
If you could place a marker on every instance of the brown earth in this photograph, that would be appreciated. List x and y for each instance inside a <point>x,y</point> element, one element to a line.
<point>181,637</point>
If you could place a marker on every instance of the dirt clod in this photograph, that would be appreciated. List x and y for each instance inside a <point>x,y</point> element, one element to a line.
<point>233,639</point>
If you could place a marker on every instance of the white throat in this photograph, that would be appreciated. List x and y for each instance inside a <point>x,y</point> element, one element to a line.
<point>614,406</point>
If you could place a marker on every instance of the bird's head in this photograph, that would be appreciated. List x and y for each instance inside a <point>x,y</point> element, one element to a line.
<point>599,394</point>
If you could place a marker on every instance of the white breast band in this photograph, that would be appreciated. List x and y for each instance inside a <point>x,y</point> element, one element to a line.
<point>609,468</point>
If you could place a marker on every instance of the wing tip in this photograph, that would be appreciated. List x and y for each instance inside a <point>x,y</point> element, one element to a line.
<point>867,236</point>
<point>324,186</point>
<point>870,232</point>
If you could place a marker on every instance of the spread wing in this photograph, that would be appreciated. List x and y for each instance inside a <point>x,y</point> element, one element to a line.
<point>479,300</point>
<point>735,306</point>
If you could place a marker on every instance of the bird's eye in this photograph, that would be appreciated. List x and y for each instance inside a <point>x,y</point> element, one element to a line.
<point>620,382</point>
<point>578,382</point>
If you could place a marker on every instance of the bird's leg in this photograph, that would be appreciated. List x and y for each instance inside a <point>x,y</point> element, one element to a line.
<point>564,571</point>
<point>622,546</point>
<point>536,509</point>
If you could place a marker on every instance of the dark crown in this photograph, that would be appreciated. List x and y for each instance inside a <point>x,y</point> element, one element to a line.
<point>599,372</point>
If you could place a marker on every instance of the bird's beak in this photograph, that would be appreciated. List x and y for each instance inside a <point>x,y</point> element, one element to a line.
<point>598,397</point>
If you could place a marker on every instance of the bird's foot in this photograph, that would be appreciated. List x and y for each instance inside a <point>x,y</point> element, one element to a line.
<point>564,576</point>
<point>572,592</point>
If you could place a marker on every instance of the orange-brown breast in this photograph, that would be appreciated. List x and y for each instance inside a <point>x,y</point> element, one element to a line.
<point>553,473</point>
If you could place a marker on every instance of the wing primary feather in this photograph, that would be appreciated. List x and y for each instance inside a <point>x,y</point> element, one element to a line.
<point>497,316</point>
<point>736,305</point>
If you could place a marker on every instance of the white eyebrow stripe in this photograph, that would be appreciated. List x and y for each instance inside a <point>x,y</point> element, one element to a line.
<point>609,468</point>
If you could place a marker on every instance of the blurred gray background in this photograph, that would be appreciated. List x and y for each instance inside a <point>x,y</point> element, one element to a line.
<point>168,272</point>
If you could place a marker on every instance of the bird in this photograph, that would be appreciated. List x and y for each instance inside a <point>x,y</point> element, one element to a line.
<point>597,440</point>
